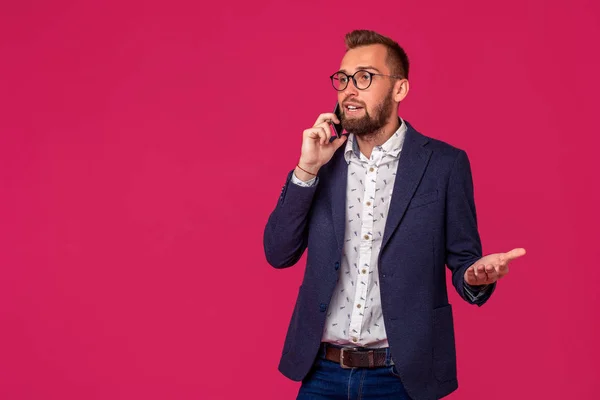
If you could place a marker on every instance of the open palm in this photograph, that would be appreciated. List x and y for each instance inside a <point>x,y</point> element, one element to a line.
<point>492,267</point>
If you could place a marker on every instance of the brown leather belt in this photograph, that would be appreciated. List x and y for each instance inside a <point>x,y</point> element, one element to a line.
<point>352,357</point>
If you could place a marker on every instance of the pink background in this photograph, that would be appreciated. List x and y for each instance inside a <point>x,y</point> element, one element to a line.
<point>144,144</point>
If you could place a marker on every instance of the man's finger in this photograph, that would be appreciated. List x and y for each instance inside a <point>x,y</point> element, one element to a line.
<point>492,274</point>
<point>471,278</point>
<point>325,117</point>
<point>502,269</point>
<point>321,134</point>
<point>482,277</point>
<point>480,272</point>
<point>327,129</point>
<point>514,253</point>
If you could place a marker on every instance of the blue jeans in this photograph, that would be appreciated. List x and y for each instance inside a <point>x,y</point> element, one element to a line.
<point>327,380</point>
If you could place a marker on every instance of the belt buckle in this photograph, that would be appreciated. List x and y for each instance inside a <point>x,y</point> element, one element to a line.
<point>342,350</point>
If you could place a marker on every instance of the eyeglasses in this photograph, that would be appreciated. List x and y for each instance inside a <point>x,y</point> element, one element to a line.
<point>362,79</point>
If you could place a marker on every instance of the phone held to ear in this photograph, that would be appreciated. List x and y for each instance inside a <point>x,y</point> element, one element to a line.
<point>338,127</point>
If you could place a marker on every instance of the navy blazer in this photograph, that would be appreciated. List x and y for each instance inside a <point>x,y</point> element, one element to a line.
<point>431,223</point>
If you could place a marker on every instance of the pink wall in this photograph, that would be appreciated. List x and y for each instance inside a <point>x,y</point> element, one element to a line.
<point>143,145</point>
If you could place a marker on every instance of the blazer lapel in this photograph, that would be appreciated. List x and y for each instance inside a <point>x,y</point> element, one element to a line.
<point>338,197</point>
<point>414,158</point>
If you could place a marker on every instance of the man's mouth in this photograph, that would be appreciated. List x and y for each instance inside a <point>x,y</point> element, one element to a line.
<point>353,109</point>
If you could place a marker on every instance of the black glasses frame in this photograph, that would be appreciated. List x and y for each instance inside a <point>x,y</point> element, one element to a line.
<point>354,79</point>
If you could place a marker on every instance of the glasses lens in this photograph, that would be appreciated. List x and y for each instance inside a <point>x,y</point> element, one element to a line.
<point>339,80</point>
<point>363,79</point>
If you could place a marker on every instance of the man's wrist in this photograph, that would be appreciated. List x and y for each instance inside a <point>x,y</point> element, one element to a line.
<point>305,172</point>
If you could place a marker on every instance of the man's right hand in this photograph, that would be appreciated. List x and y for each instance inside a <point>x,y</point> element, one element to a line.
<point>316,149</point>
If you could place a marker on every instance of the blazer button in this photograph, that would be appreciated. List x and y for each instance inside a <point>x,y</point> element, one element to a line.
<point>337,265</point>
<point>323,307</point>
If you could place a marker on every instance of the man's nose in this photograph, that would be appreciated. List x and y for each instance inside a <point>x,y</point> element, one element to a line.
<point>350,89</point>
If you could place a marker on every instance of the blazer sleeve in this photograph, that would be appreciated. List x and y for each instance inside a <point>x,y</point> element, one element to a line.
<point>285,236</point>
<point>463,244</point>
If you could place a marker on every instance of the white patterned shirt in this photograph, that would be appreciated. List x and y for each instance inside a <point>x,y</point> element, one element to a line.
<point>354,315</point>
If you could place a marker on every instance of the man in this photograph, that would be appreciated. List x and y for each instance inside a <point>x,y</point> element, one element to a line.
<point>382,211</point>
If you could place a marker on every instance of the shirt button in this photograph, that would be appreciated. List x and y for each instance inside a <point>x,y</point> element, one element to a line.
<point>358,306</point>
<point>371,169</point>
<point>337,265</point>
<point>366,237</point>
<point>354,339</point>
<point>368,203</point>
<point>364,271</point>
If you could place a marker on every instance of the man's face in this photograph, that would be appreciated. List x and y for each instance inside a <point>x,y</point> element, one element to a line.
<point>374,105</point>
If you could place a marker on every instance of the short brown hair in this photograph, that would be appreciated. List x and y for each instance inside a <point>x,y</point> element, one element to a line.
<point>396,56</point>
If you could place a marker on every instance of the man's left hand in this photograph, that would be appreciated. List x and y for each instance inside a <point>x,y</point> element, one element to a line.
<point>492,267</point>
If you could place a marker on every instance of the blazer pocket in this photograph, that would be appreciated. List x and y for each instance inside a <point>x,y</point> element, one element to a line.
<point>423,199</point>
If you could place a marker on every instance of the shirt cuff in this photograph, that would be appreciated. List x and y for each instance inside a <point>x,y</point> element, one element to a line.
<point>298,182</point>
<point>475,292</point>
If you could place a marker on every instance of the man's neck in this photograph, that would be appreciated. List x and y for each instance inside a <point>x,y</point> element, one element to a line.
<point>366,143</point>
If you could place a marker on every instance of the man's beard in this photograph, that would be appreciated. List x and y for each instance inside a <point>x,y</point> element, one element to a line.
<point>368,125</point>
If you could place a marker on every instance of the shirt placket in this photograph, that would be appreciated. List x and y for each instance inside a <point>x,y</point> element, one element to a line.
<point>365,247</point>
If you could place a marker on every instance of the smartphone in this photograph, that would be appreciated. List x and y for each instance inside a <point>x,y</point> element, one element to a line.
<point>338,127</point>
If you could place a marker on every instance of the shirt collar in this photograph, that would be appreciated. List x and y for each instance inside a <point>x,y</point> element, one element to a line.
<point>391,147</point>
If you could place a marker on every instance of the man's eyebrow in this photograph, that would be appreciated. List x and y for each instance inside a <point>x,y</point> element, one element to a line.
<point>361,67</point>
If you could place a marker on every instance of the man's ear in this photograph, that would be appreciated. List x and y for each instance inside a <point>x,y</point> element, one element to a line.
<point>401,88</point>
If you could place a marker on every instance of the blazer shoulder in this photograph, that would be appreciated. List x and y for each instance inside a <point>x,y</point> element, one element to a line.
<point>442,148</point>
